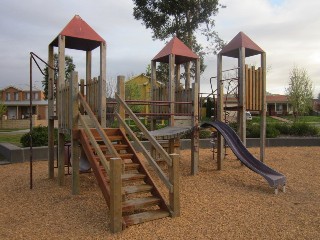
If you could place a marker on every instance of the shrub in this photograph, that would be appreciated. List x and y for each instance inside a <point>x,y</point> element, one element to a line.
<point>303,129</point>
<point>204,134</point>
<point>39,137</point>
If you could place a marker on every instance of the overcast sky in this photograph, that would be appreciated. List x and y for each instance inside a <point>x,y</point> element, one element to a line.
<point>287,30</point>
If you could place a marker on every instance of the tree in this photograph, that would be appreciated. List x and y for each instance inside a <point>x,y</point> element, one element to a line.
<point>133,92</point>
<point>168,18</point>
<point>300,91</point>
<point>69,67</point>
<point>3,109</point>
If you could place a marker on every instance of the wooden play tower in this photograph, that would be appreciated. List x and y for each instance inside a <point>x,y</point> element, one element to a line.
<point>182,110</point>
<point>251,89</point>
<point>129,184</point>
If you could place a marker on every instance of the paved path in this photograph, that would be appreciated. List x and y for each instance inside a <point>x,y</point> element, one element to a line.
<point>281,119</point>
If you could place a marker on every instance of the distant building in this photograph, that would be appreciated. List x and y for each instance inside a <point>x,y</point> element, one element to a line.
<point>17,101</point>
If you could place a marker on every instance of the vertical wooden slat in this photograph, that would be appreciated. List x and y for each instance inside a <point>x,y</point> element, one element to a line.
<point>121,93</point>
<point>247,86</point>
<point>253,92</point>
<point>256,107</point>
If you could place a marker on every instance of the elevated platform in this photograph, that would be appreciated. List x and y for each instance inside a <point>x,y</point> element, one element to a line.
<point>171,132</point>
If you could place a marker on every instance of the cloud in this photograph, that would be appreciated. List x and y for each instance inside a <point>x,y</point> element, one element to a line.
<point>286,30</point>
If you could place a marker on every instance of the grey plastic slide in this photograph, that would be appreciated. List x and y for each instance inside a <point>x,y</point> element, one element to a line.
<point>274,178</point>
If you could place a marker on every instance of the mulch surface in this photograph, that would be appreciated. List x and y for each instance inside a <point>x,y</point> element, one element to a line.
<point>234,203</point>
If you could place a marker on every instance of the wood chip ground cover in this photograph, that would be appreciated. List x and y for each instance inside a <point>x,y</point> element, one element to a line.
<point>234,203</point>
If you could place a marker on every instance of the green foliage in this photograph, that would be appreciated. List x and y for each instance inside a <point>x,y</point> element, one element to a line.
<point>133,92</point>
<point>39,137</point>
<point>303,129</point>
<point>167,18</point>
<point>300,91</point>
<point>203,134</point>
<point>69,67</point>
<point>3,109</point>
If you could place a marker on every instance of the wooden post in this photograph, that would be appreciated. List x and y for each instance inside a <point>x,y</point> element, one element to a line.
<point>115,195</point>
<point>102,86</point>
<point>195,122</point>
<point>74,115</point>
<point>82,93</point>
<point>187,71</point>
<point>177,77</point>
<point>242,95</point>
<point>153,86</point>
<point>121,93</point>
<point>174,196</point>
<point>171,89</point>
<point>61,81</point>
<point>51,114</point>
<point>263,121</point>
<point>220,104</point>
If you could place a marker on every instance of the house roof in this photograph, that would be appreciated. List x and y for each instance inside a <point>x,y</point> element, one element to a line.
<point>24,88</point>
<point>136,76</point>
<point>79,35</point>
<point>277,98</point>
<point>241,40</point>
<point>182,53</point>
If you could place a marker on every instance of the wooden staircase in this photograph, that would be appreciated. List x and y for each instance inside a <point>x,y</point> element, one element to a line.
<point>141,200</point>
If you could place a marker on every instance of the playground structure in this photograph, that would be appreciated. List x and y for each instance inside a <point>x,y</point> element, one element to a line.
<point>130,188</point>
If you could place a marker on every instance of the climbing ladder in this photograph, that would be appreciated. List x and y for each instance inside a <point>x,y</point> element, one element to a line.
<point>129,183</point>
<point>141,201</point>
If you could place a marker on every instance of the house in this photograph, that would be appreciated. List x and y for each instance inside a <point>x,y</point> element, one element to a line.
<point>278,105</point>
<point>142,85</point>
<point>17,101</point>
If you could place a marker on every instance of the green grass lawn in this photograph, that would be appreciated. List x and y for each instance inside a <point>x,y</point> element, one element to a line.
<point>11,138</point>
<point>256,119</point>
<point>308,119</point>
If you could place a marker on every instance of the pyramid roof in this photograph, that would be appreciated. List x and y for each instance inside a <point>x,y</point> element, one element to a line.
<point>241,40</point>
<point>79,35</point>
<point>182,53</point>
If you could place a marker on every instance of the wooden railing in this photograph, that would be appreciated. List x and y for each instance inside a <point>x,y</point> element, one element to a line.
<point>172,181</point>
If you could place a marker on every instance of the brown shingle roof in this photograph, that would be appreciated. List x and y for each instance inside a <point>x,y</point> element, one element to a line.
<point>182,53</point>
<point>79,35</point>
<point>241,40</point>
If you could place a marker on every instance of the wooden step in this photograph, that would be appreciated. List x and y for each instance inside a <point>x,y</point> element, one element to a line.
<point>111,138</point>
<point>116,146</point>
<point>137,189</point>
<point>138,203</point>
<point>144,217</point>
<point>132,176</point>
<point>131,166</point>
<point>122,155</point>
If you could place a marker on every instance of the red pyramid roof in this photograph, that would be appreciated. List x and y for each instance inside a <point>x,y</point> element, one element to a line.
<point>182,53</point>
<point>79,35</point>
<point>241,40</point>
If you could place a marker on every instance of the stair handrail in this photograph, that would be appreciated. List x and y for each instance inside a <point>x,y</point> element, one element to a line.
<point>147,154</point>
<point>145,131</point>
<point>101,132</point>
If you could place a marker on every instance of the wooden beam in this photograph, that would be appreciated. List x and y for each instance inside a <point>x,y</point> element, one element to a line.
<point>263,121</point>
<point>242,95</point>
<point>174,196</point>
<point>75,151</point>
<point>115,195</point>
<point>121,92</point>
<point>220,104</point>
<point>102,86</point>
<point>171,89</point>
<point>51,113</point>
<point>61,137</point>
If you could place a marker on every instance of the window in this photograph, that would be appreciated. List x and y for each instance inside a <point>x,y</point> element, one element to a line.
<point>8,96</point>
<point>27,96</point>
<point>16,96</point>
<point>36,96</point>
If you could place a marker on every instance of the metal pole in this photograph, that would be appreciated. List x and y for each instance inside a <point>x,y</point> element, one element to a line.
<point>30,132</point>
